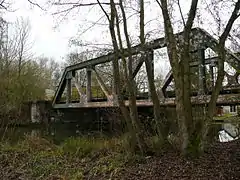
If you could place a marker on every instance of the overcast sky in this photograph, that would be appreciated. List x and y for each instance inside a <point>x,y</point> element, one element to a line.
<point>48,41</point>
<point>52,42</point>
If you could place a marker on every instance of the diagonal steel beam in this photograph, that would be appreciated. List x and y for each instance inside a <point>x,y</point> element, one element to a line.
<point>83,96</point>
<point>169,75</point>
<point>103,86</point>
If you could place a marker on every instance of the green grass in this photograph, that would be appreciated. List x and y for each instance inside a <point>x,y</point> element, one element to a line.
<point>228,118</point>
<point>76,158</point>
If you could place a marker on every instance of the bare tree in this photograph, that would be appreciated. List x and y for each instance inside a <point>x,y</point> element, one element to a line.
<point>23,44</point>
<point>179,59</point>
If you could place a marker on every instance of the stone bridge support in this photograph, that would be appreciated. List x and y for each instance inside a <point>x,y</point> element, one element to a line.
<point>40,111</point>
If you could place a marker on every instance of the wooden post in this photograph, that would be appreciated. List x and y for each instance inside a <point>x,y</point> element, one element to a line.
<point>69,87</point>
<point>89,85</point>
<point>201,72</point>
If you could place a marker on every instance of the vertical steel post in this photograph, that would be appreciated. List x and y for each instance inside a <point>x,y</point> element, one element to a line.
<point>150,57</point>
<point>89,85</point>
<point>69,87</point>
<point>201,72</point>
<point>212,74</point>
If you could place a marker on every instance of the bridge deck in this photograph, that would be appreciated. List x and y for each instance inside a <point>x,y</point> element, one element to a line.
<point>222,100</point>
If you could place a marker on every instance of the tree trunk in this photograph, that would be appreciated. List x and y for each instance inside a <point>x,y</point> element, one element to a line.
<point>131,87</point>
<point>131,118</point>
<point>161,129</point>
<point>179,59</point>
<point>220,76</point>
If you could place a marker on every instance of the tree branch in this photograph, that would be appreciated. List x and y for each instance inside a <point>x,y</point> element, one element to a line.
<point>2,5</point>
<point>36,4</point>
<point>191,16</point>
<point>82,4</point>
<point>180,9</point>
<point>159,4</point>
<point>98,2</point>
<point>141,23</point>
<point>229,25</point>
<point>65,10</point>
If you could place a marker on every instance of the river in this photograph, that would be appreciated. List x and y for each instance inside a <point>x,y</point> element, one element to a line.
<point>58,132</point>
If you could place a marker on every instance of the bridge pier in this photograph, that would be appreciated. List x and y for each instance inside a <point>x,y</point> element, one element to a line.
<point>40,111</point>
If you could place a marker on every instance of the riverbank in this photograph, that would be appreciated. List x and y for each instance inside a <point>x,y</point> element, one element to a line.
<point>85,158</point>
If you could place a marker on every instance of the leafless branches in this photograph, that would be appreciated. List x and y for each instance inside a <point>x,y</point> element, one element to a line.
<point>235,14</point>
<point>74,5</point>
<point>4,5</point>
<point>181,13</point>
<point>36,4</point>
<point>81,4</point>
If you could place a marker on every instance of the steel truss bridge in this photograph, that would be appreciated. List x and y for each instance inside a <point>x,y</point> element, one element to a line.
<point>201,67</point>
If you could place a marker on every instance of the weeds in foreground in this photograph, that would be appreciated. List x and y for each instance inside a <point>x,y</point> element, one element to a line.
<point>76,158</point>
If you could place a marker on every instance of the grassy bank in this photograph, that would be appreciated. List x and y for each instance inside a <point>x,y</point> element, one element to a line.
<point>76,158</point>
<point>104,158</point>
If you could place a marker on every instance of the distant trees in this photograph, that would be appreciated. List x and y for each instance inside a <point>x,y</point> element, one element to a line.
<point>23,77</point>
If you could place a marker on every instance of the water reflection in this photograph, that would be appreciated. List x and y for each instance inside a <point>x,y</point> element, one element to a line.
<point>57,133</point>
<point>229,132</point>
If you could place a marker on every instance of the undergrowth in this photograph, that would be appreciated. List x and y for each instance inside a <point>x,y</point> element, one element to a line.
<point>75,158</point>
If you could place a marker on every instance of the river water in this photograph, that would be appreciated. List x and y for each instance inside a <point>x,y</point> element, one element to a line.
<point>229,132</point>
<point>58,132</point>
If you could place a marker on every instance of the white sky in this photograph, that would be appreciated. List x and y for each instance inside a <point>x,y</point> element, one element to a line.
<point>52,42</point>
<point>48,41</point>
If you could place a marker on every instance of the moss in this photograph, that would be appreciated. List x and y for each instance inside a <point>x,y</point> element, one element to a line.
<point>78,175</point>
<point>194,147</point>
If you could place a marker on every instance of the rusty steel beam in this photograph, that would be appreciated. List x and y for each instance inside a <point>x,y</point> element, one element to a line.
<point>199,39</point>
<point>89,85</point>
<point>69,91</point>
<point>83,96</point>
<point>201,72</point>
<point>222,100</point>
<point>197,34</point>
<point>169,75</point>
